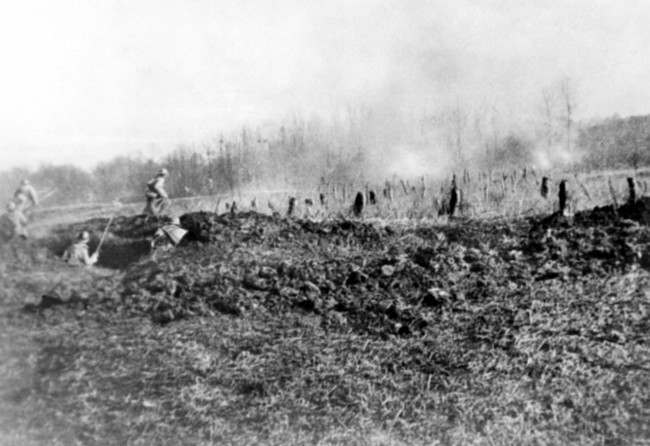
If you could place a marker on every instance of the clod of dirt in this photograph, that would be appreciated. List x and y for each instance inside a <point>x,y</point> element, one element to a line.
<point>435,297</point>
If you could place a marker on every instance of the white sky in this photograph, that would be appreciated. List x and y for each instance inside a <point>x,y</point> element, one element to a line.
<point>82,81</point>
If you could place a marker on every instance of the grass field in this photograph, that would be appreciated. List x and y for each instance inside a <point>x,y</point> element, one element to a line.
<point>407,328</point>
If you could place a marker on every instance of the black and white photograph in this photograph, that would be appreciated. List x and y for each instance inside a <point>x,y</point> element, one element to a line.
<point>324,222</point>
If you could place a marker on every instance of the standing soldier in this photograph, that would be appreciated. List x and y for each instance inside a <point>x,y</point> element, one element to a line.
<point>77,254</point>
<point>13,223</point>
<point>25,196</point>
<point>157,198</point>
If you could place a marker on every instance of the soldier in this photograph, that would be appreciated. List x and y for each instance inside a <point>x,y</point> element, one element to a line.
<point>157,198</point>
<point>13,223</point>
<point>77,254</point>
<point>25,196</point>
<point>167,237</point>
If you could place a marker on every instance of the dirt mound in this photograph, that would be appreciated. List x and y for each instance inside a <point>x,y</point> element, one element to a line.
<point>371,280</point>
<point>210,226</point>
<point>596,241</point>
<point>639,211</point>
<point>347,273</point>
<point>253,227</point>
<point>267,263</point>
<point>130,227</point>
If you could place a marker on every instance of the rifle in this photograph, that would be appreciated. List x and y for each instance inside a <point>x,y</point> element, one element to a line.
<point>101,240</point>
<point>47,194</point>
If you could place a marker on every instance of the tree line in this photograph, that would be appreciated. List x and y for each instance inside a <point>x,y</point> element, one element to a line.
<point>300,153</point>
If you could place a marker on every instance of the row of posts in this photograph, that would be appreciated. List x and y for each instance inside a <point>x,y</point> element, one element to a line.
<point>450,206</point>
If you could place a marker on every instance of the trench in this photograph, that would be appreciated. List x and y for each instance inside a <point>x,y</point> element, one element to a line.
<point>120,253</point>
<point>127,241</point>
<point>116,253</point>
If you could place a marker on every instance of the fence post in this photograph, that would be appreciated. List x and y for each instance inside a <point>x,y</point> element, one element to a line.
<point>631,188</point>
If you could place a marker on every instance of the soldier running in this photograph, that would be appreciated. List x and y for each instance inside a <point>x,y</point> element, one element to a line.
<point>25,196</point>
<point>157,198</point>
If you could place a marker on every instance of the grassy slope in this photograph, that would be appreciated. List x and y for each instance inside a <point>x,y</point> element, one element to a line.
<point>508,360</point>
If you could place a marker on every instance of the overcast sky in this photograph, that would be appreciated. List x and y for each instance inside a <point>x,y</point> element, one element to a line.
<point>81,81</point>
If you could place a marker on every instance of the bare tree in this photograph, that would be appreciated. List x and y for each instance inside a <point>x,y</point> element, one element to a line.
<point>458,121</point>
<point>569,104</point>
<point>548,118</point>
<point>495,126</point>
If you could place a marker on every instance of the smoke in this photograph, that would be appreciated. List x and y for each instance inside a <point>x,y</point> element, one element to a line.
<point>85,82</point>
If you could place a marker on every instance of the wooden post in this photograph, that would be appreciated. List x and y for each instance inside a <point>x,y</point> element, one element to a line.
<point>562,197</point>
<point>543,190</point>
<point>372,198</point>
<point>453,197</point>
<point>292,204</point>
<point>357,207</point>
<point>631,188</point>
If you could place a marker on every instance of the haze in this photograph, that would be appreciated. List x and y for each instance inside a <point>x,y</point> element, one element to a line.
<point>84,81</point>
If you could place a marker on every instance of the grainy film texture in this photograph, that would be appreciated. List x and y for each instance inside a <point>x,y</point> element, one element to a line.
<point>365,222</point>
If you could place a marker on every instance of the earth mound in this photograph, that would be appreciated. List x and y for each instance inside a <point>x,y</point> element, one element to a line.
<point>368,279</point>
<point>253,227</point>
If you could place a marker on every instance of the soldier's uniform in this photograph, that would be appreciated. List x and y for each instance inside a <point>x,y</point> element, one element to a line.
<point>25,196</point>
<point>167,237</point>
<point>157,198</point>
<point>13,223</point>
<point>78,253</point>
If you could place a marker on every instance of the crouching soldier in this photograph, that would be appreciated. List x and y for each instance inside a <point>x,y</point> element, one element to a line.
<point>157,198</point>
<point>13,223</point>
<point>167,237</point>
<point>78,254</point>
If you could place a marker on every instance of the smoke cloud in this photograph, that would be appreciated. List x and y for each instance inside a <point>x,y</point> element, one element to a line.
<point>85,81</point>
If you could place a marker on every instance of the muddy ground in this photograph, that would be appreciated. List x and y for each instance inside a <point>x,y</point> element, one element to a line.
<point>263,330</point>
